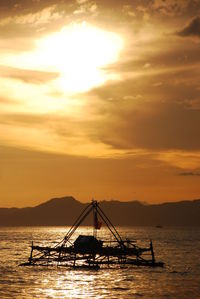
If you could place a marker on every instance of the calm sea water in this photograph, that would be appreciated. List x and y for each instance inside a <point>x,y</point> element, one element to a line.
<point>179,248</point>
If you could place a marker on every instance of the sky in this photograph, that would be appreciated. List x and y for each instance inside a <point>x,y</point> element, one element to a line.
<point>99,99</point>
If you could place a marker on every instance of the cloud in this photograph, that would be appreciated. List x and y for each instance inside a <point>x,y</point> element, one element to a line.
<point>160,120</point>
<point>189,174</point>
<point>51,133</point>
<point>24,119</point>
<point>181,159</point>
<point>85,7</point>
<point>160,126</point>
<point>149,108</point>
<point>172,8</point>
<point>192,29</point>
<point>37,18</point>
<point>27,76</point>
<point>29,23</point>
<point>23,7</point>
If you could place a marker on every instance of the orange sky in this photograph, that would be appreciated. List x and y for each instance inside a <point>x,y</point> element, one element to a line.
<point>99,99</point>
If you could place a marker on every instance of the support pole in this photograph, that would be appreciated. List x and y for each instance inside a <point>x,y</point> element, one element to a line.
<point>152,252</point>
<point>31,254</point>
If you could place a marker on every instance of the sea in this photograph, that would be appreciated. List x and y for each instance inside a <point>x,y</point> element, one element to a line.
<point>177,247</point>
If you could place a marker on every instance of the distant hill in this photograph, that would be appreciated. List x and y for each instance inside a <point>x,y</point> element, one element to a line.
<point>64,211</point>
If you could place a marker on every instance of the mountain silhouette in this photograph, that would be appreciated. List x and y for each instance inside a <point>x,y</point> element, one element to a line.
<point>64,211</point>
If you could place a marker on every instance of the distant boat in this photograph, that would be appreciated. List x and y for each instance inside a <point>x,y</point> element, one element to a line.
<point>159,226</point>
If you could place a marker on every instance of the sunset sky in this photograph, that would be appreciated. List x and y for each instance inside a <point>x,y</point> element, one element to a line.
<point>99,99</point>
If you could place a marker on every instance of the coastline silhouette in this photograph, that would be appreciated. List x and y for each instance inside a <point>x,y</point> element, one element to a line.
<point>62,211</point>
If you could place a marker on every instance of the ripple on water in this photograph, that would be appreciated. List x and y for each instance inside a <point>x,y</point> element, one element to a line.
<point>178,279</point>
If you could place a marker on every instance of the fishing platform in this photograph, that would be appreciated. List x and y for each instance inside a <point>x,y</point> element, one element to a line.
<point>88,251</point>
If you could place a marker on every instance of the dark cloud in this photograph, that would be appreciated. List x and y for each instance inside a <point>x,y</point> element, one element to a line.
<point>160,126</point>
<point>192,29</point>
<point>139,8</point>
<point>34,19</point>
<point>189,174</point>
<point>147,121</point>
<point>168,8</point>
<point>168,53</point>
<point>174,8</point>
<point>22,7</point>
<point>173,85</point>
<point>25,18</point>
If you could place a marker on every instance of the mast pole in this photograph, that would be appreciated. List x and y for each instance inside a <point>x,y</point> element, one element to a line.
<point>94,206</point>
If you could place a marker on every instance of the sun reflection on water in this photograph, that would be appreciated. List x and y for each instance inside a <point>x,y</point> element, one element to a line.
<point>176,280</point>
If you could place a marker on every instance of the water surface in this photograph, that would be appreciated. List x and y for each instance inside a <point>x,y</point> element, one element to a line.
<point>179,248</point>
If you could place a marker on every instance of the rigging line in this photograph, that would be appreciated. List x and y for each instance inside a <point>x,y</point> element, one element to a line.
<point>109,227</point>
<point>116,232</point>
<point>78,219</point>
<point>77,225</point>
<point>72,227</point>
<point>104,217</point>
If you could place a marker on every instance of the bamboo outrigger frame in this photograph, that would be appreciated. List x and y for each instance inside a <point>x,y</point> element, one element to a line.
<point>88,251</point>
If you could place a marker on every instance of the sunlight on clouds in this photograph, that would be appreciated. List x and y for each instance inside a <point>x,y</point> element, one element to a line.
<point>181,159</point>
<point>39,18</point>
<point>112,79</point>
<point>29,98</point>
<point>44,137</point>
<point>79,52</point>
<point>78,55</point>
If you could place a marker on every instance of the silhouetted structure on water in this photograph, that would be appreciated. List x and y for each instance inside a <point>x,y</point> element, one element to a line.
<point>88,251</point>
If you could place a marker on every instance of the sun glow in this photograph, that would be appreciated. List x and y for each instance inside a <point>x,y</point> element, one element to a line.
<point>79,52</point>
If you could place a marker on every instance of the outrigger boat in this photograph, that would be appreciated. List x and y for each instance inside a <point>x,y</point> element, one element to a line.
<point>90,252</point>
